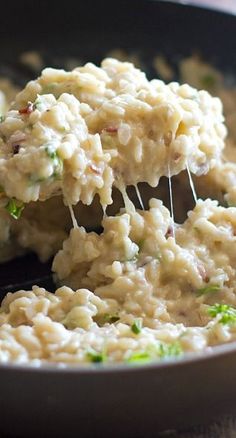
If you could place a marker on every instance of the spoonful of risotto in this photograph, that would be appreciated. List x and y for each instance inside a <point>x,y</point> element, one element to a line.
<point>82,132</point>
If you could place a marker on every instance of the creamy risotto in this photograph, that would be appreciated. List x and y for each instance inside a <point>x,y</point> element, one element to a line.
<point>146,288</point>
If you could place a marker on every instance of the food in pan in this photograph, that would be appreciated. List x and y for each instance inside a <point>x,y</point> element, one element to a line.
<point>146,288</point>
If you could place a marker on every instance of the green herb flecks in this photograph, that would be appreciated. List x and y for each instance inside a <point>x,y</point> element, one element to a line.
<point>96,357</point>
<point>37,104</point>
<point>226,313</point>
<point>2,118</point>
<point>208,289</point>
<point>57,161</point>
<point>169,350</point>
<point>156,352</point>
<point>136,327</point>
<point>140,358</point>
<point>15,208</point>
<point>51,152</point>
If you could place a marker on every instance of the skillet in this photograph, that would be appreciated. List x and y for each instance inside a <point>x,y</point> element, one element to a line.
<point>119,400</point>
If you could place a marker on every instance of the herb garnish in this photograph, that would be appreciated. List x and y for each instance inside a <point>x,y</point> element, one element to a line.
<point>51,152</point>
<point>161,351</point>
<point>227,313</point>
<point>136,327</point>
<point>57,161</point>
<point>15,208</point>
<point>95,356</point>
<point>169,350</point>
<point>207,289</point>
<point>140,358</point>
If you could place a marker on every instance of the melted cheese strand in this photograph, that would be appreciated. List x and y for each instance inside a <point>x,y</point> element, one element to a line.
<point>104,209</point>
<point>139,196</point>
<point>171,201</point>
<point>129,206</point>
<point>72,215</point>
<point>191,183</point>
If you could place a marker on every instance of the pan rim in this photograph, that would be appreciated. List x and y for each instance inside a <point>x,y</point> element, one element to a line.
<point>204,7</point>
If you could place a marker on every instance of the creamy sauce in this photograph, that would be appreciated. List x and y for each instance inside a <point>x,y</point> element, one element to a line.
<point>146,288</point>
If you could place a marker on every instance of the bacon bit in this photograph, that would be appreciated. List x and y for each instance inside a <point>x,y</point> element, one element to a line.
<point>111,129</point>
<point>202,272</point>
<point>15,148</point>
<point>170,232</point>
<point>168,138</point>
<point>95,169</point>
<point>28,109</point>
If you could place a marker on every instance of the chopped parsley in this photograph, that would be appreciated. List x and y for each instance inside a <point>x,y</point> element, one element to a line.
<point>96,357</point>
<point>51,152</point>
<point>208,289</point>
<point>2,118</point>
<point>226,313</point>
<point>140,358</point>
<point>57,161</point>
<point>161,351</point>
<point>169,350</point>
<point>136,327</point>
<point>15,208</point>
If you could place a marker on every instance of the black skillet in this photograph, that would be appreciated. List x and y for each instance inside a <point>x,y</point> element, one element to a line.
<point>120,400</point>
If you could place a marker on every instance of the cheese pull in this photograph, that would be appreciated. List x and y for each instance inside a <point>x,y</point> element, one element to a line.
<point>80,133</point>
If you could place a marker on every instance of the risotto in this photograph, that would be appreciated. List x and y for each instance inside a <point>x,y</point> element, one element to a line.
<point>146,288</point>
